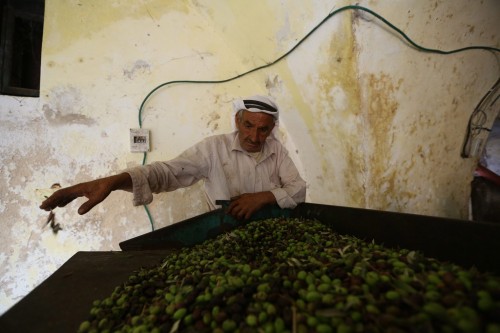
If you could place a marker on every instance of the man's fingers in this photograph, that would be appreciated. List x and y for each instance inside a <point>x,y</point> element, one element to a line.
<point>238,212</point>
<point>58,199</point>
<point>239,208</point>
<point>93,199</point>
<point>231,208</point>
<point>248,215</point>
<point>86,207</point>
<point>49,203</point>
<point>64,201</point>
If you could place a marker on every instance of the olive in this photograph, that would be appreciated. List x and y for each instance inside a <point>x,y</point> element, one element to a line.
<point>281,274</point>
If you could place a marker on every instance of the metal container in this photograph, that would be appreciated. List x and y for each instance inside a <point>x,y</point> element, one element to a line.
<point>463,242</point>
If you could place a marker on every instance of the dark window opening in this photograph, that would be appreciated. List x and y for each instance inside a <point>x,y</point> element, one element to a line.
<point>21,32</point>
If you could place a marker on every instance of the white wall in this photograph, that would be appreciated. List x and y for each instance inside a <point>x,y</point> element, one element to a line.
<point>370,121</point>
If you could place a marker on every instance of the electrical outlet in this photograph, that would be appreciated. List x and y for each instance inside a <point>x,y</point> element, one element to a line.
<point>139,140</point>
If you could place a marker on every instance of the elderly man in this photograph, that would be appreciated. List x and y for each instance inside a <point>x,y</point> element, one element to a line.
<point>249,167</point>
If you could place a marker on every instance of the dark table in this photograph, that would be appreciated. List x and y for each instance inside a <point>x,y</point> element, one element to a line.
<point>64,299</point>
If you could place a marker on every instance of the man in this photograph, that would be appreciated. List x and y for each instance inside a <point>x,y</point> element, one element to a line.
<point>249,167</point>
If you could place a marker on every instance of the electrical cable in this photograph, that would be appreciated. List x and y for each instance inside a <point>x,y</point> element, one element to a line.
<point>478,119</point>
<point>333,13</point>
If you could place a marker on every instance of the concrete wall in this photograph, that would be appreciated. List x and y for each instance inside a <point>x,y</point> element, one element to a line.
<point>370,121</point>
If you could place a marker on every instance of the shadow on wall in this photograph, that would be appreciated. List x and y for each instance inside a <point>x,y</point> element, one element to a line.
<point>485,189</point>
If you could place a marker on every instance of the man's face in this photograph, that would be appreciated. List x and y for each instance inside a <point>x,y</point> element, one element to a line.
<point>253,129</point>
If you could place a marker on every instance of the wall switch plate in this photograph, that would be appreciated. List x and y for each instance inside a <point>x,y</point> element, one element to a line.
<point>139,140</point>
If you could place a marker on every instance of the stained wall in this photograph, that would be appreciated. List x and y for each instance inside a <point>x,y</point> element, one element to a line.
<point>370,121</point>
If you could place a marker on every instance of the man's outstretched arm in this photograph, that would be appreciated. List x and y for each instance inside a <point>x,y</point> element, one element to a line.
<point>95,191</point>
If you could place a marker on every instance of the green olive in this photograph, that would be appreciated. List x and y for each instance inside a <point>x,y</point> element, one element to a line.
<point>277,274</point>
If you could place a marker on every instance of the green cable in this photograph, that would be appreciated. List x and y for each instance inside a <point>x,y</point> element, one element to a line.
<point>421,48</point>
<point>146,206</point>
<point>418,47</point>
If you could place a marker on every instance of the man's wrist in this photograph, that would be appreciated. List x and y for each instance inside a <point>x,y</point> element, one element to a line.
<point>121,181</point>
<point>268,198</point>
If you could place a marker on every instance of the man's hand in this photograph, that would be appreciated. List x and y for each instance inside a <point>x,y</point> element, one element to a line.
<point>95,191</point>
<point>243,206</point>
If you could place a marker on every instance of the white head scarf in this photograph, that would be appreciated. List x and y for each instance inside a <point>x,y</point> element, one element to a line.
<point>257,103</point>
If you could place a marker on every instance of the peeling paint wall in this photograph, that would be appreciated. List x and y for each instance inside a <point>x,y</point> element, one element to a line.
<point>370,121</point>
<point>418,104</point>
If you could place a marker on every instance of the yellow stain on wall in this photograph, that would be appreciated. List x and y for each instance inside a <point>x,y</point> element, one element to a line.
<point>380,112</point>
<point>339,124</point>
<point>70,20</point>
<point>330,108</point>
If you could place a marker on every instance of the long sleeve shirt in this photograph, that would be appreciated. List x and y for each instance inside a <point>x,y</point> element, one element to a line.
<point>227,171</point>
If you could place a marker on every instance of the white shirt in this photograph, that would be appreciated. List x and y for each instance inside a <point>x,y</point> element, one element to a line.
<point>227,171</point>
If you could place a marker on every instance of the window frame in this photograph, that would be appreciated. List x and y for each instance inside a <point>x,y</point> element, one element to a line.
<point>26,11</point>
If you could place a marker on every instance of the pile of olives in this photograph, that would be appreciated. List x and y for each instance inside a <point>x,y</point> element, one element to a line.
<point>296,275</point>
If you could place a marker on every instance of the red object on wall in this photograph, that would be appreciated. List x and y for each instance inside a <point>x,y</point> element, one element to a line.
<point>486,173</point>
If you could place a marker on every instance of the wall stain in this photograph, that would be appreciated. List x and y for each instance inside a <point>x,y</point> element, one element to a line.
<point>65,102</point>
<point>213,123</point>
<point>91,17</point>
<point>55,117</point>
<point>139,67</point>
<point>380,113</point>
<point>273,83</point>
<point>339,98</point>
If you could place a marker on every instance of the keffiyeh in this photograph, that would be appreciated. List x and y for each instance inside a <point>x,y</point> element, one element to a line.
<point>264,104</point>
<point>257,103</point>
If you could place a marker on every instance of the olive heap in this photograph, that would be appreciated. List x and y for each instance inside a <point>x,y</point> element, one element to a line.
<point>297,275</point>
